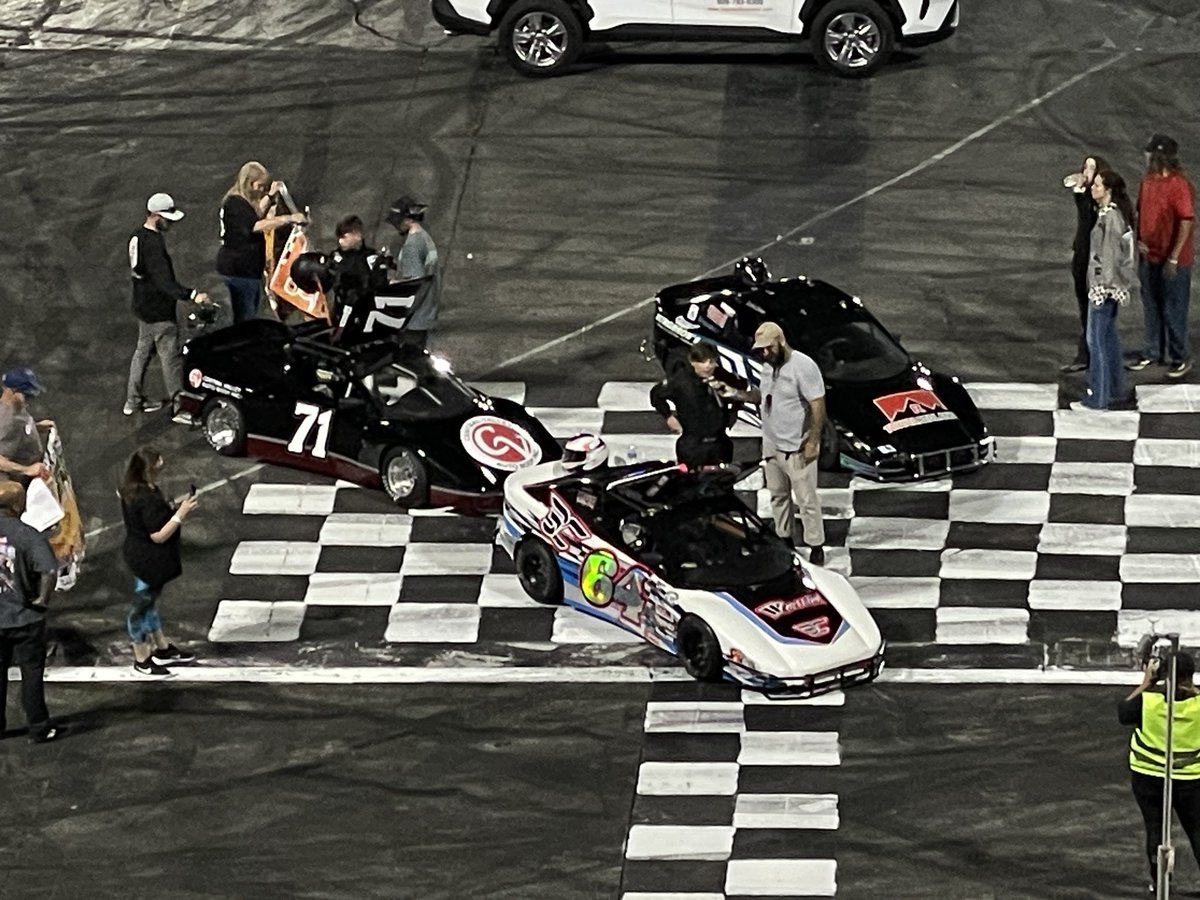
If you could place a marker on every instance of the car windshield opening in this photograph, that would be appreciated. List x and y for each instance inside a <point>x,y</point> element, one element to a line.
<point>419,390</point>
<point>858,351</point>
<point>717,545</point>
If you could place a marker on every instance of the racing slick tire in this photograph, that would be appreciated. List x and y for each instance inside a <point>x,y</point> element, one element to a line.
<point>853,38</point>
<point>830,457</point>
<point>405,477</point>
<point>541,38</point>
<point>224,425</point>
<point>538,571</point>
<point>699,649</point>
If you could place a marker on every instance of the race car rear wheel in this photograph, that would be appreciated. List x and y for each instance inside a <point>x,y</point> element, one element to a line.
<point>541,38</point>
<point>538,571</point>
<point>405,478</point>
<point>699,649</point>
<point>853,38</point>
<point>224,426</point>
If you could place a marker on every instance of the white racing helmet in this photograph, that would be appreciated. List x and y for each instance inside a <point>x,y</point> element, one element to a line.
<point>584,453</point>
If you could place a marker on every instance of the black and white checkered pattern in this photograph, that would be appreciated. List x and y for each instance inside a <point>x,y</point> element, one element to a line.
<point>736,797</point>
<point>1086,527</point>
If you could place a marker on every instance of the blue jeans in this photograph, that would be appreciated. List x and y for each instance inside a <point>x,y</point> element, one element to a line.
<point>1165,302</point>
<point>245,297</point>
<point>143,618</point>
<point>1104,356</point>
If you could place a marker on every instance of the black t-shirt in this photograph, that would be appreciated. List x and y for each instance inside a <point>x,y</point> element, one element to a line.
<point>701,413</point>
<point>25,555</point>
<point>155,288</point>
<point>146,512</point>
<point>243,252</point>
<point>1086,212</point>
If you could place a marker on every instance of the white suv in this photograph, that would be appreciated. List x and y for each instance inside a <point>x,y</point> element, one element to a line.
<point>849,37</point>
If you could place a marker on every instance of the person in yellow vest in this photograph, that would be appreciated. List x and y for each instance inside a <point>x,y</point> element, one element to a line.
<point>1146,708</point>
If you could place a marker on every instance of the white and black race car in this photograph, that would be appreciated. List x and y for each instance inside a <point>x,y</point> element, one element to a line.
<point>849,37</point>
<point>676,558</point>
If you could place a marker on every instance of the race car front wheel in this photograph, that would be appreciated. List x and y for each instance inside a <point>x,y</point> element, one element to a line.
<point>224,426</point>
<point>853,38</point>
<point>699,649</point>
<point>541,38</point>
<point>405,478</point>
<point>538,571</point>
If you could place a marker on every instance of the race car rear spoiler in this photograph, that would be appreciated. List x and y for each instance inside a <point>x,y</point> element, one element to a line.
<point>380,315</point>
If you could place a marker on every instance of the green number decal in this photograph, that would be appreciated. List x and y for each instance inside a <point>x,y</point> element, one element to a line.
<point>596,577</point>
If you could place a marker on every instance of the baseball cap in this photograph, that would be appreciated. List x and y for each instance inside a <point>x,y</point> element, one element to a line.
<point>23,381</point>
<point>1161,143</point>
<point>768,333</point>
<point>405,208</point>
<point>164,205</point>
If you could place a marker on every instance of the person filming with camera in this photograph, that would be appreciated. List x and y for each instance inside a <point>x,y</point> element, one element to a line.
<point>1146,709</point>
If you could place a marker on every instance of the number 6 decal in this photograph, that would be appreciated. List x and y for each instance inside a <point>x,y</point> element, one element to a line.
<point>313,415</point>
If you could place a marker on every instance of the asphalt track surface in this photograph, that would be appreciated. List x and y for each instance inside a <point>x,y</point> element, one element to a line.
<point>931,190</point>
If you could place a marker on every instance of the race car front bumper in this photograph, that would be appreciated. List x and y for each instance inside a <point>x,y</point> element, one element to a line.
<point>919,466</point>
<point>774,688</point>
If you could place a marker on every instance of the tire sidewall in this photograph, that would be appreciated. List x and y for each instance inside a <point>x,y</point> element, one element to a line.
<point>420,492</point>
<point>560,10</point>
<point>552,594</point>
<point>238,446</point>
<point>869,8</point>
<point>705,663</point>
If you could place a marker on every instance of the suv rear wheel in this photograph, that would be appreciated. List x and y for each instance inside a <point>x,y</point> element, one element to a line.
<point>853,38</point>
<point>541,38</point>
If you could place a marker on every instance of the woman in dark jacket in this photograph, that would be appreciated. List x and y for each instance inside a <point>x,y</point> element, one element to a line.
<point>244,222</point>
<point>151,551</point>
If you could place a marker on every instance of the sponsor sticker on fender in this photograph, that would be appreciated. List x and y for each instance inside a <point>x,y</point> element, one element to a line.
<point>909,408</point>
<point>195,378</point>
<point>499,444</point>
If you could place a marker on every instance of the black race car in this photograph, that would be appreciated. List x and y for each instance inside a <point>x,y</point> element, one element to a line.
<point>890,418</point>
<point>353,402</point>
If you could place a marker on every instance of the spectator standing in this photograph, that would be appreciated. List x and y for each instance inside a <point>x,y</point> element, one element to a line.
<point>1110,275</point>
<point>28,575</point>
<point>418,259</point>
<point>1166,214</point>
<point>1080,184</point>
<point>21,451</point>
<point>695,406</point>
<point>155,295</point>
<point>791,399</point>
<point>242,259</point>
<point>151,551</point>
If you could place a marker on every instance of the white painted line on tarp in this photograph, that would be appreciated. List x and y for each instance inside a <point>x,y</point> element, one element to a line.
<point>284,674</point>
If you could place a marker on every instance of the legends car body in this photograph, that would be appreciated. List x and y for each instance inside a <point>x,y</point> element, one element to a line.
<point>889,417</point>
<point>848,37</point>
<point>371,411</point>
<point>678,559</point>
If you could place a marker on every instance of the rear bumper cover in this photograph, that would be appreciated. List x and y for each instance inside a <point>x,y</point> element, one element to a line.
<point>924,39</point>
<point>445,15</point>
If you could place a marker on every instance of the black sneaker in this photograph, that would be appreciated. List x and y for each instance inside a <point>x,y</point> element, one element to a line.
<point>1138,364</point>
<point>172,654</point>
<point>816,556</point>
<point>1179,369</point>
<point>151,669</point>
<point>44,737</point>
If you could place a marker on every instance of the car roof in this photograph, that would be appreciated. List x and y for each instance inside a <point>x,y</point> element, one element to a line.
<point>818,304</point>
<point>660,486</point>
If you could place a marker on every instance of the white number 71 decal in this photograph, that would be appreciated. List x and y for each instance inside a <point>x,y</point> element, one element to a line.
<point>313,415</point>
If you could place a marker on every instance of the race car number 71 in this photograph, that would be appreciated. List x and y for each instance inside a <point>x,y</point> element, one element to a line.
<point>313,415</point>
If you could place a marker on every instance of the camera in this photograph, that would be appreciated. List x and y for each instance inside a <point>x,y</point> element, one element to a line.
<point>1156,649</point>
<point>204,313</point>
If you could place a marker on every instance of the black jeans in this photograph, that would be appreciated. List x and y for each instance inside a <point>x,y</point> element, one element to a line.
<point>694,451</point>
<point>26,645</point>
<point>1079,267</point>
<point>1185,800</point>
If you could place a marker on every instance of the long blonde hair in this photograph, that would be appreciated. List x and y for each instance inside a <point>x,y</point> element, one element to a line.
<point>243,186</point>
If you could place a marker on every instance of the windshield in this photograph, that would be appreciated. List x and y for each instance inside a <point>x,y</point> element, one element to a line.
<point>858,351</point>
<point>419,390</point>
<point>712,546</point>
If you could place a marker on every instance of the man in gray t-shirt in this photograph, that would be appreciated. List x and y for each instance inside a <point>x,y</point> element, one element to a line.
<point>20,444</point>
<point>418,259</point>
<point>791,399</point>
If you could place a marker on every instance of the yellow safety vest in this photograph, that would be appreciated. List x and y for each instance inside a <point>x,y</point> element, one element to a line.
<point>1148,745</point>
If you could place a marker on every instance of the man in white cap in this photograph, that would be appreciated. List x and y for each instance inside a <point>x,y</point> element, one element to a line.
<point>791,400</point>
<point>155,294</point>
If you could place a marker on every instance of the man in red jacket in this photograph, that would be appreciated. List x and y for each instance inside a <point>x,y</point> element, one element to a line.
<point>1166,250</point>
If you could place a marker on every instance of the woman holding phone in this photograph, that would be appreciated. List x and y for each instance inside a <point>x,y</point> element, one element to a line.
<point>151,551</point>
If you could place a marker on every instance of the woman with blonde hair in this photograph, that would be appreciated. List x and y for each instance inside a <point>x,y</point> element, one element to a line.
<point>244,222</point>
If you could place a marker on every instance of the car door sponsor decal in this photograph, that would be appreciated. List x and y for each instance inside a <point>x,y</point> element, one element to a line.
<point>909,408</point>
<point>311,415</point>
<point>199,380</point>
<point>634,595</point>
<point>565,531</point>
<point>808,616</point>
<point>499,444</point>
